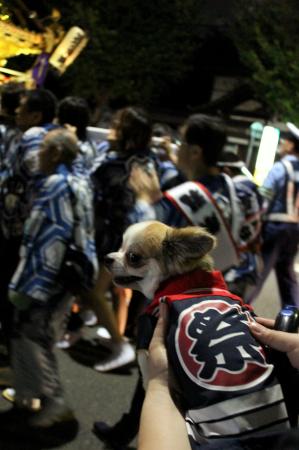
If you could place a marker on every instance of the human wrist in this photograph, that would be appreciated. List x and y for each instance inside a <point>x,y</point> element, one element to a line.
<point>158,383</point>
<point>150,197</point>
<point>156,196</point>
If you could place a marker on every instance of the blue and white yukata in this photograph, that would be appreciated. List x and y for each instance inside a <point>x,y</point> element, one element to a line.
<point>61,209</point>
<point>18,173</point>
<point>84,161</point>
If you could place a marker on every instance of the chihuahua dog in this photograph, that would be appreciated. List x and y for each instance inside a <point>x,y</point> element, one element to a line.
<point>152,252</point>
<point>227,387</point>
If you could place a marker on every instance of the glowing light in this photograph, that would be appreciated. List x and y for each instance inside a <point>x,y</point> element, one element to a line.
<point>266,153</point>
<point>68,49</point>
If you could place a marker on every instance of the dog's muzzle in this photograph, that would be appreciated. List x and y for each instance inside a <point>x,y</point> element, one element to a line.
<point>126,280</point>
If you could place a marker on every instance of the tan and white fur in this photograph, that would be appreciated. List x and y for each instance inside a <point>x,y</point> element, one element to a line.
<point>152,252</point>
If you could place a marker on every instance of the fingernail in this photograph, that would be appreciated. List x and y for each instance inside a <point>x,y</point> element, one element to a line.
<point>163,309</point>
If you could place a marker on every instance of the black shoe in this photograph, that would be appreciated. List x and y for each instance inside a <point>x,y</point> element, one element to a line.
<point>47,426</point>
<point>107,434</point>
<point>14,419</point>
<point>53,411</point>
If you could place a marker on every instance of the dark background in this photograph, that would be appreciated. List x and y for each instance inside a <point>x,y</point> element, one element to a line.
<point>177,57</point>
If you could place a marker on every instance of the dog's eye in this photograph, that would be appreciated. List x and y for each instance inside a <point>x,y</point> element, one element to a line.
<point>133,258</point>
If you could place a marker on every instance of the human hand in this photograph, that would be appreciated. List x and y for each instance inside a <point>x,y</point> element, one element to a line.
<point>145,183</point>
<point>161,425</point>
<point>165,149</point>
<point>278,340</point>
<point>72,129</point>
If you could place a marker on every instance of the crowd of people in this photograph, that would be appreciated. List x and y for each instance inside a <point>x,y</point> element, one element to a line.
<point>65,202</point>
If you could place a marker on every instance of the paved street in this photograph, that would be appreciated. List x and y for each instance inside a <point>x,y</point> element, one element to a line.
<point>97,396</point>
<point>92,395</point>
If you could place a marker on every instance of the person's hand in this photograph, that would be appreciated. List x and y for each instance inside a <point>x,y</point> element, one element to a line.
<point>72,129</point>
<point>161,425</point>
<point>157,358</point>
<point>145,183</point>
<point>278,340</point>
<point>166,145</point>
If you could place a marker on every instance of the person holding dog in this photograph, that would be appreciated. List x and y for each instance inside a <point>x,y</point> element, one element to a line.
<point>160,414</point>
<point>158,399</point>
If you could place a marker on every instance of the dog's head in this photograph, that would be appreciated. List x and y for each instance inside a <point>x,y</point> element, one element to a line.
<point>152,252</point>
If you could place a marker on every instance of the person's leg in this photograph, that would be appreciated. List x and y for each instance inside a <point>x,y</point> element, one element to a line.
<point>9,257</point>
<point>270,253</point>
<point>68,324</point>
<point>97,300</point>
<point>123,298</point>
<point>35,367</point>
<point>122,352</point>
<point>284,269</point>
<point>127,427</point>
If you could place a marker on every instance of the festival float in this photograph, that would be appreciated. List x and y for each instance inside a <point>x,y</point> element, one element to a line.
<point>51,46</point>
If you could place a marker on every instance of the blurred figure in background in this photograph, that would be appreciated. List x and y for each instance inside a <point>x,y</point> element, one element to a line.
<point>243,279</point>
<point>281,220</point>
<point>61,218</point>
<point>19,171</point>
<point>232,165</point>
<point>74,111</point>
<point>209,198</point>
<point>129,141</point>
<point>10,135</point>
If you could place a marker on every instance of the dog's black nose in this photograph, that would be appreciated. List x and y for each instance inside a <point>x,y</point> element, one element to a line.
<point>108,261</point>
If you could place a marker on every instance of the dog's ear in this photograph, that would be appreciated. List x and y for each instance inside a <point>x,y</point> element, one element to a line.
<point>187,243</point>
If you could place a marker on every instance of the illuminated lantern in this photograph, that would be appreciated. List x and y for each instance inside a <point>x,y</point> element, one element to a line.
<point>68,49</point>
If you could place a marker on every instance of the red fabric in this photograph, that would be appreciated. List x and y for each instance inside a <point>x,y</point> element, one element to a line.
<point>202,284</point>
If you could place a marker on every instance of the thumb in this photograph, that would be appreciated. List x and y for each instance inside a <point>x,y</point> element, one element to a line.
<point>279,340</point>
<point>160,329</point>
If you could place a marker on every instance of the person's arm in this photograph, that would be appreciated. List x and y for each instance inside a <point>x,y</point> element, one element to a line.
<point>279,340</point>
<point>145,183</point>
<point>151,203</point>
<point>161,426</point>
<point>146,186</point>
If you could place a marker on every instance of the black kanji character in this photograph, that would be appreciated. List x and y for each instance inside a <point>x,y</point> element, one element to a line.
<point>221,341</point>
<point>194,200</point>
<point>211,223</point>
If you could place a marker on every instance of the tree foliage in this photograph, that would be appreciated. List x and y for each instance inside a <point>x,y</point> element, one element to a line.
<point>266,33</point>
<point>136,48</point>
